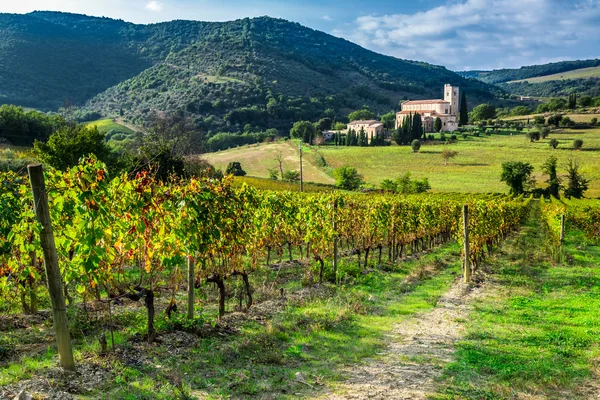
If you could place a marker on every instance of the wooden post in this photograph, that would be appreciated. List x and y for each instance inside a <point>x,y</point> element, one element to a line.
<point>335,242</point>
<point>562,229</point>
<point>467,260</point>
<point>301,177</point>
<point>55,285</point>
<point>190,288</point>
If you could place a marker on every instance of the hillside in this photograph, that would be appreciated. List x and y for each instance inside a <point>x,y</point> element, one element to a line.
<point>476,168</point>
<point>547,80</point>
<point>264,72</point>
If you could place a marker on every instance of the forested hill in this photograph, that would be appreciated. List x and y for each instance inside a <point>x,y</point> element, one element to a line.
<point>249,71</point>
<point>530,71</point>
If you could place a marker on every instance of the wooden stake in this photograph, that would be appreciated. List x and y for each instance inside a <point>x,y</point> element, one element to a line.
<point>55,285</point>
<point>335,242</point>
<point>467,261</point>
<point>190,288</point>
<point>562,229</point>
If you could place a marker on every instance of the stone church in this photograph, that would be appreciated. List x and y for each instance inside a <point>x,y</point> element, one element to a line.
<point>447,110</point>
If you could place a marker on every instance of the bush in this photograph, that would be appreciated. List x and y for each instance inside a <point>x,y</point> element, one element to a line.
<point>453,137</point>
<point>553,143</point>
<point>291,176</point>
<point>577,144</point>
<point>465,135</point>
<point>545,131</point>
<point>235,168</point>
<point>566,122</point>
<point>539,120</point>
<point>533,136</point>
<point>347,178</point>
<point>415,145</point>
<point>594,121</point>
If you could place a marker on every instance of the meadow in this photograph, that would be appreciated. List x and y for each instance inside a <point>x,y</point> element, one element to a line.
<point>591,72</point>
<point>476,168</point>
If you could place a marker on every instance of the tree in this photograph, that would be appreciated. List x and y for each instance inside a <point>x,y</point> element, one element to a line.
<point>554,182</point>
<point>338,126</point>
<point>69,143</point>
<point>362,137</point>
<point>324,124</point>
<point>521,110</point>
<point>483,112</point>
<point>388,185</point>
<point>235,168</point>
<point>415,145</point>
<point>437,125</point>
<point>364,114</point>
<point>303,130</point>
<point>463,116</point>
<point>273,174</point>
<point>577,144</point>
<point>577,184</point>
<point>347,178</point>
<point>517,175</point>
<point>539,120</point>
<point>447,154</point>
<point>572,102</point>
<point>397,136</point>
<point>291,176</point>
<point>594,121</point>
<point>389,120</point>
<point>566,122</point>
<point>555,119</point>
<point>544,132</point>
<point>416,127</point>
<point>553,143</point>
<point>279,158</point>
<point>533,135</point>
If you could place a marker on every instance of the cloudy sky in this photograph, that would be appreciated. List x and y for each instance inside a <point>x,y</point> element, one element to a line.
<point>460,34</point>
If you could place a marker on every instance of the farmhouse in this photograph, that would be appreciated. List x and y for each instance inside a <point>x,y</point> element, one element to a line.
<point>446,110</point>
<point>371,127</point>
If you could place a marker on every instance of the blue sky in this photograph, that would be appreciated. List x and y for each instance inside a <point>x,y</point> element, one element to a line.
<point>460,34</point>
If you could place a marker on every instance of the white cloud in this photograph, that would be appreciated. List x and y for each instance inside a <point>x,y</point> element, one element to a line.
<point>485,33</point>
<point>155,6</point>
<point>326,17</point>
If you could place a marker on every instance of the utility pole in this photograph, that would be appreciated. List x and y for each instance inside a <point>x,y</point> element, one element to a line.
<point>301,179</point>
<point>55,283</point>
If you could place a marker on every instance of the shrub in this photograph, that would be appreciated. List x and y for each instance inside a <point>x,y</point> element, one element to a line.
<point>594,121</point>
<point>476,133</point>
<point>465,135</point>
<point>566,122</point>
<point>453,136</point>
<point>545,131</point>
<point>415,145</point>
<point>553,143</point>
<point>347,178</point>
<point>291,176</point>
<point>235,168</point>
<point>539,120</point>
<point>533,136</point>
<point>577,144</point>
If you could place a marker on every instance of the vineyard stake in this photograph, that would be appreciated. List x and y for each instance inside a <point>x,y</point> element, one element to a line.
<point>335,242</point>
<point>301,179</point>
<point>467,261</point>
<point>190,288</point>
<point>55,285</point>
<point>562,229</point>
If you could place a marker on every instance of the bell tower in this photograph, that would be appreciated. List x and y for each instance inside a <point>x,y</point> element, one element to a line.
<point>451,96</point>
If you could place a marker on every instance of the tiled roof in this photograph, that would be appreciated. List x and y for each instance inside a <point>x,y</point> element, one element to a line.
<point>366,122</point>
<point>405,112</point>
<point>437,101</point>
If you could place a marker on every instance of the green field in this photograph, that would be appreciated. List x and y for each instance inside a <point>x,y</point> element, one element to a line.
<point>592,72</point>
<point>476,168</point>
<point>108,124</point>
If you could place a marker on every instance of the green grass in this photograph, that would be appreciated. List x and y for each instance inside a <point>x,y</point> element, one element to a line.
<point>108,124</point>
<point>591,72</point>
<point>536,333</point>
<point>316,335</point>
<point>476,168</point>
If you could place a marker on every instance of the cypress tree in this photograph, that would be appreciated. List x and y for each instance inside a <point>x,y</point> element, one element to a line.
<point>463,117</point>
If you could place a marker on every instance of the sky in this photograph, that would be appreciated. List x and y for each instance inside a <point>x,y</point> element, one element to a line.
<point>459,34</point>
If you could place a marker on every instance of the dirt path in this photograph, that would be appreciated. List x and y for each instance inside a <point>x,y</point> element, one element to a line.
<point>417,350</point>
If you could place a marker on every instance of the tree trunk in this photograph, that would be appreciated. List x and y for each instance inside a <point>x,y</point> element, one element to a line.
<point>380,251</point>
<point>367,257</point>
<point>149,303</point>
<point>290,251</point>
<point>268,255</point>
<point>218,280</point>
<point>322,267</point>
<point>248,290</point>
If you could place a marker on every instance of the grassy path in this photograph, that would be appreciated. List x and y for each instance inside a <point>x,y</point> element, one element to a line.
<point>535,333</point>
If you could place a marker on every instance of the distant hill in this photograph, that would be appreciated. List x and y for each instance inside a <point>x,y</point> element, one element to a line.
<point>260,72</point>
<point>548,80</point>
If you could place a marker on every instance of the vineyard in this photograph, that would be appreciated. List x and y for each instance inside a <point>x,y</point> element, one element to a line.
<point>137,239</point>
